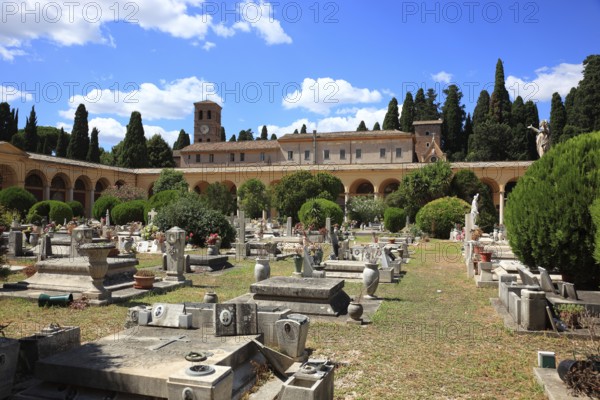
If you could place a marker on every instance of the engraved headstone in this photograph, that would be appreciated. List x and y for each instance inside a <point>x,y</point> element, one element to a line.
<point>240,246</point>
<point>225,319</point>
<point>288,227</point>
<point>166,315</point>
<point>246,318</point>
<point>175,254</point>
<point>527,277</point>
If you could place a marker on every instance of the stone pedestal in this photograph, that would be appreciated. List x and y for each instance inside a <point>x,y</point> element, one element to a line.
<point>15,244</point>
<point>175,254</point>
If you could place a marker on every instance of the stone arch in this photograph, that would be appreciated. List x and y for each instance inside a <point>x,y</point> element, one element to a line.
<point>388,186</point>
<point>200,187</point>
<point>81,188</point>
<point>59,186</point>
<point>362,187</point>
<point>35,182</point>
<point>508,187</point>
<point>101,185</point>
<point>8,176</point>
<point>150,189</point>
<point>231,186</point>
<point>120,183</point>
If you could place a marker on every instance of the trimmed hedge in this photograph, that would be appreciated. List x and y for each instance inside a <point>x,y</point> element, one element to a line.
<point>439,216</point>
<point>102,204</point>
<point>394,219</point>
<point>131,211</point>
<point>159,200</point>
<point>16,198</point>
<point>53,210</point>
<point>77,208</point>
<point>548,212</point>
<point>315,212</point>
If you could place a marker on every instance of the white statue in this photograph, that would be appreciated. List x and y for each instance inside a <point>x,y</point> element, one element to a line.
<point>542,140</point>
<point>474,210</point>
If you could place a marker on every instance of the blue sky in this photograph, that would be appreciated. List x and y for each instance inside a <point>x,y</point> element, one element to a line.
<point>327,64</point>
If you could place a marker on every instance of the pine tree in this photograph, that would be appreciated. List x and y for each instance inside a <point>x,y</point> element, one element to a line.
<point>391,120</point>
<point>223,134</point>
<point>362,127</point>
<point>303,129</point>
<point>482,108</point>
<point>408,114</point>
<point>420,106</point>
<point>80,140</point>
<point>183,140</point>
<point>93,154</point>
<point>61,144</point>
<point>558,118</point>
<point>431,106</point>
<point>376,127</point>
<point>134,153</point>
<point>273,136</point>
<point>453,114</point>
<point>31,137</point>
<point>264,135</point>
<point>500,101</point>
<point>160,154</point>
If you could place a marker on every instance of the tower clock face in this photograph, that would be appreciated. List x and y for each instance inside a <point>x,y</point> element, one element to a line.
<point>204,129</point>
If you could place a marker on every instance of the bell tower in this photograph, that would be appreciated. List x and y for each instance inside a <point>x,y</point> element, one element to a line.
<point>207,122</point>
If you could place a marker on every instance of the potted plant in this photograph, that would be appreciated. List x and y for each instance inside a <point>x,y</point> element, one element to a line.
<point>144,279</point>
<point>486,256</point>
<point>212,242</point>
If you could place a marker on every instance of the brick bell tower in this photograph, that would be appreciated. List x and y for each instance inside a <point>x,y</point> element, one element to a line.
<point>207,122</point>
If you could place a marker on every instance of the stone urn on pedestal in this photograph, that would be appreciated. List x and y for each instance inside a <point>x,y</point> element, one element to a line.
<point>262,269</point>
<point>96,254</point>
<point>370,279</point>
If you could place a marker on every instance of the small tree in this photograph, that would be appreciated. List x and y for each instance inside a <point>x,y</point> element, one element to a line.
<point>440,216</point>
<point>160,154</point>
<point>316,211</point>
<point>218,197</point>
<point>183,140</point>
<point>394,219</point>
<point>254,197</point>
<point>16,198</point>
<point>365,209</point>
<point>170,179</point>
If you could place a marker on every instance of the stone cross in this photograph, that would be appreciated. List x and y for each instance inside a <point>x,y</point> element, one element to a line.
<point>175,254</point>
<point>288,227</point>
<point>151,215</point>
<point>328,227</point>
<point>169,340</point>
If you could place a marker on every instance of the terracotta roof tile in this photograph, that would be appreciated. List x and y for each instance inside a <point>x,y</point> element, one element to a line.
<point>429,122</point>
<point>233,146</point>
<point>350,134</point>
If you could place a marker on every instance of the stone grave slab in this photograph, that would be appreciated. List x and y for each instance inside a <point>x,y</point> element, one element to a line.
<point>225,319</point>
<point>213,262</point>
<point>246,319</point>
<point>546,281</point>
<point>166,315</point>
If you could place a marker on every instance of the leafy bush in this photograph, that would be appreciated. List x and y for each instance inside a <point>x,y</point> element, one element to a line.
<point>315,212</point>
<point>126,193</point>
<point>102,204</point>
<point>254,198</point>
<point>159,200</point>
<point>218,197</point>
<point>77,208</point>
<point>548,212</point>
<point>16,198</point>
<point>365,209</point>
<point>189,212</point>
<point>465,185</point>
<point>439,216</point>
<point>131,211</point>
<point>394,219</point>
<point>595,212</point>
<point>170,179</point>
<point>52,210</point>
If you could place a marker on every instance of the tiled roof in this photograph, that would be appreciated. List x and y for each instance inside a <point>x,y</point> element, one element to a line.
<point>349,134</point>
<point>232,146</point>
<point>430,122</point>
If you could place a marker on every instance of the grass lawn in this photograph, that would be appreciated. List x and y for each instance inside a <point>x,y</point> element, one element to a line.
<point>434,337</point>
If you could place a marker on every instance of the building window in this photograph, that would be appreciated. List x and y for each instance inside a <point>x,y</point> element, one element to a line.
<point>189,158</point>
<point>398,152</point>
<point>358,153</point>
<point>199,140</point>
<point>342,154</point>
<point>427,144</point>
<point>433,159</point>
<point>381,153</point>
<point>242,157</point>
<point>211,158</point>
<point>426,133</point>
<point>262,157</point>
<point>326,154</point>
<point>290,155</point>
<point>231,157</point>
<point>198,158</point>
<point>306,155</point>
<point>209,114</point>
<point>200,114</point>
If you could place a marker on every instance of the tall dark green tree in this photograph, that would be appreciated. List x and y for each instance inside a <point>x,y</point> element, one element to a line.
<point>376,127</point>
<point>586,108</point>
<point>31,137</point>
<point>303,129</point>
<point>489,142</point>
<point>43,147</point>
<point>391,121</point>
<point>517,148</point>
<point>80,140</point>
<point>558,118</point>
<point>500,106</point>
<point>362,127</point>
<point>245,135</point>
<point>453,114</point>
<point>160,154</point>
<point>6,122</point>
<point>183,140</point>
<point>468,133</point>
<point>432,107</point>
<point>517,113</point>
<point>420,106</point>
<point>232,138</point>
<point>531,118</point>
<point>408,114</point>
<point>62,143</point>
<point>295,131</point>
<point>482,108</point>
<point>570,106</point>
<point>134,153</point>
<point>93,154</point>
<point>264,134</point>
<point>223,134</point>
<point>273,136</point>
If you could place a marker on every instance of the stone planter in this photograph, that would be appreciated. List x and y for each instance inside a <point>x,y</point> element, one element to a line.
<point>486,256</point>
<point>128,244</point>
<point>211,297</point>
<point>298,263</point>
<point>212,250</point>
<point>96,254</point>
<point>370,279</point>
<point>143,282</point>
<point>355,311</point>
<point>262,269</point>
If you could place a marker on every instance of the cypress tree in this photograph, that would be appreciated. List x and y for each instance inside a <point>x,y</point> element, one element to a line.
<point>570,106</point>
<point>376,127</point>
<point>160,154</point>
<point>80,140</point>
<point>558,118</point>
<point>586,107</point>
<point>517,112</point>
<point>134,153</point>
<point>531,118</point>
<point>295,131</point>
<point>303,129</point>
<point>93,154</point>
<point>15,123</point>
<point>420,106</point>
<point>391,121</point>
<point>242,136</point>
<point>62,144</point>
<point>517,149</point>
<point>482,108</point>
<point>232,138</point>
<point>468,131</point>
<point>362,127</point>
<point>408,114</point>
<point>500,101</point>
<point>223,134</point>
<point>31,137</point>
<point>264,135</point>
<point>431,106</point>
<point>452,127</point>
<point>183,140</point>
<point>5,122</point>
<point>273,136</point>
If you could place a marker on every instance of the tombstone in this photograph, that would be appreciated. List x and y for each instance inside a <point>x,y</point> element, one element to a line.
<point>503,282</point>
<point>388,263</point>
<point>240,246</point>
<point>45,247</point>
<point>288,227</point>
<point>344,251</point>
<point>225,319</point>
<point>335,244</point>
<point>307,270</point>
<point>291,335</point>
<point>533,310</point>
<point>107,218</point>
<point>168,315</point>
<point>15,243</point>
<point>469,225</point>
<point>151,215</point>
<point>568,291</point>
<point>175,254</point>
<point>546,281</point>
<point>328,228</point>
<point>527,277</point>
<point>514,307</point>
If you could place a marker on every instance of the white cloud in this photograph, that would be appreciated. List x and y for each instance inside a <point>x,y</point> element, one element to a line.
<point>560,78</point>
<point>208,45</point>
<point>169,101</point>
<point>442,77</point>
<point>11,93</point>
<point>320,95</point>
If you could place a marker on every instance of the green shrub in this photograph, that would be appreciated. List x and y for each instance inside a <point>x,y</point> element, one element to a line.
<point>159,200</point>
<point>189,212</point>
<point>16,198</point>
<point>595,212</point>
<point>102,204</point>
<point>465,185</point>
<point>394,219</point>
<point>314,212</point>
<point>131,211</point>
<point>548,212</point>
<point>77,208</point>
<point>52,210</point>
<point>439,216</point>
<point>365,209</point>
